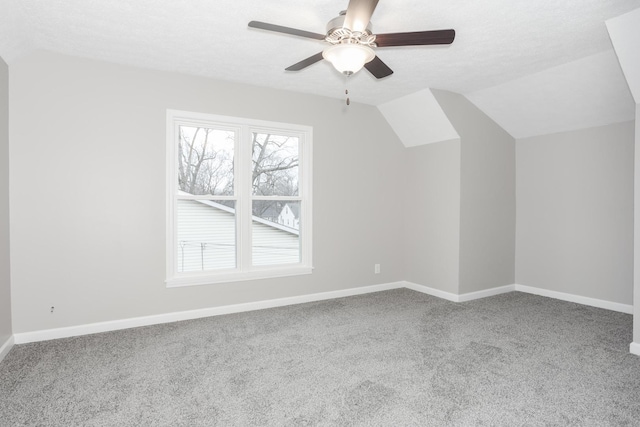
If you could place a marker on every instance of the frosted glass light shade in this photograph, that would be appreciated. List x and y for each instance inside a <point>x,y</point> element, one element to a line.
<point>348,58</point>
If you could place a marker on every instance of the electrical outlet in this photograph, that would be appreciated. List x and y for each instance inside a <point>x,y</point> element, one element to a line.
<point>376,268</point>
<point>52,308</point>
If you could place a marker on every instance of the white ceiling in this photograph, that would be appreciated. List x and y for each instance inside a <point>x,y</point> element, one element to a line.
<point>625,35</point>
<point>497,41</point>
<point>587,92</point>
<point>418,119</point>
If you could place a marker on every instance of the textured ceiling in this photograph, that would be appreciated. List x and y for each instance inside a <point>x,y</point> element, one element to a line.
<point>497,40</point>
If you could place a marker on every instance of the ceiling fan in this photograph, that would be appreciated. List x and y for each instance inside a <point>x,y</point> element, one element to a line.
<point>352,40</point>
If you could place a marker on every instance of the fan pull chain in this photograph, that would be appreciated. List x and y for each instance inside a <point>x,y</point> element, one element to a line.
<point>346,91</point>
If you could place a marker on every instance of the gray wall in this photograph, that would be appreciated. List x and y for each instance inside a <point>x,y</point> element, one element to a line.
<point>487,196</point>
<point>5,277</point>
<point>88,191</point>
<point>432,215</point>
<point>575,212</point>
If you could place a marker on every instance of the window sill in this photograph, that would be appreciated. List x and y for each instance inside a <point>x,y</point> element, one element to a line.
<point>209,278</point>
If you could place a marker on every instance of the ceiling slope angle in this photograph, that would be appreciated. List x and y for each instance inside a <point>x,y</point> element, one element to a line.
<point>418,119</point>
<point>585,93</point>
<point>625,36</point>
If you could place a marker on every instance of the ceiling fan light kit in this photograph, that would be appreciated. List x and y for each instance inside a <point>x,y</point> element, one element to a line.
<point>348,58</point>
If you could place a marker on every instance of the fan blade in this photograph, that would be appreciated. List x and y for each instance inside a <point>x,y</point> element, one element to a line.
<point>305,62</point>
<point>285,30</point>
<point>416,38</point>
<point>378,68</point>
<point>359,14</point>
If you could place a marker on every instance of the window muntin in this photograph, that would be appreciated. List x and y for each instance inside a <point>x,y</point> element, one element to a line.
<point>239,199</point>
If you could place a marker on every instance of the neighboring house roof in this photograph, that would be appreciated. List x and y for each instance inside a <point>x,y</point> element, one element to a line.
<point>254,218</point>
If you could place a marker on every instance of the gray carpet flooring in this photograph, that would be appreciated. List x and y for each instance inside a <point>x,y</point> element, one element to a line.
<point>395,358</point>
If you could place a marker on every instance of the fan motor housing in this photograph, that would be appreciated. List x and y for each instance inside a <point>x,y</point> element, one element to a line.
<point>337,24</point>
<point>337,33</point>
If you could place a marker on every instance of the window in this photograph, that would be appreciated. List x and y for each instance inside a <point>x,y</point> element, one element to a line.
<point>238,199</point>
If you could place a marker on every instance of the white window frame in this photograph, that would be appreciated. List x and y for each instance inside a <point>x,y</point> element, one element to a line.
<point>243,197</point>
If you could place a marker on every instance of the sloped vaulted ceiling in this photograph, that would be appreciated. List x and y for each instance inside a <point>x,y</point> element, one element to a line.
<point>418,119</point>
<point>625,35</point>
<point>587,92</point>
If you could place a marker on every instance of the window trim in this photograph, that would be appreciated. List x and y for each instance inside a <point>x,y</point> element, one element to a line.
<point>243,128</point>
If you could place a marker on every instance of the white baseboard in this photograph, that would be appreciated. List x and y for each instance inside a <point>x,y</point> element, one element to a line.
<point>115,325</point>
<point>634,348</point>
<point>6,347</point>
<point>459,297</point>
<point>431,291</point>
<point>486,293</point>
<point>593,302</point>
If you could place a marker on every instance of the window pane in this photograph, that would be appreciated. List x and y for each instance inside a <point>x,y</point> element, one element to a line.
<point>275,165</point>
<point>206,235</point>
<point>205,161</point>
<point>275,232</point>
